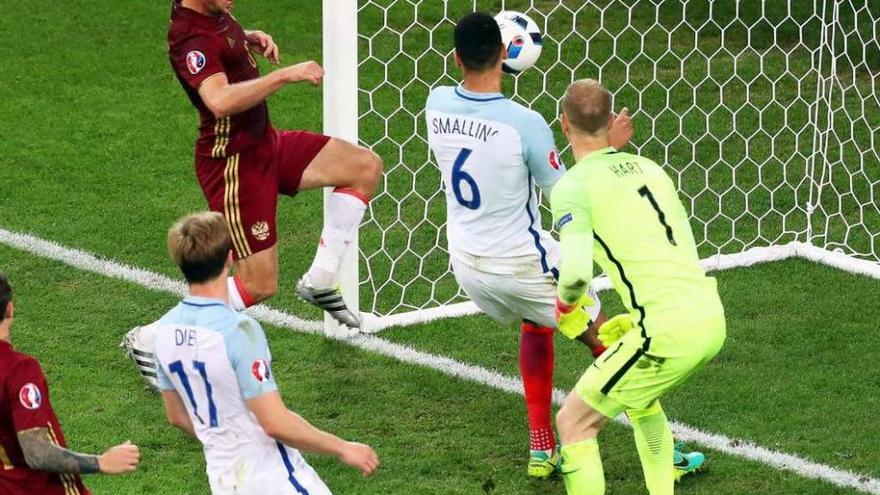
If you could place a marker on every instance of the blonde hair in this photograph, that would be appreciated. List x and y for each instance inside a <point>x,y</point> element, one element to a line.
<point>199,245</point>
<point>587,104</point>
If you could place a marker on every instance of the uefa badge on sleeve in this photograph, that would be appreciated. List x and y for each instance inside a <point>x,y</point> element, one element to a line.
<point>30,396</point>
<point>195,61</point>
<point>260,370</point>
<point>564,220</point>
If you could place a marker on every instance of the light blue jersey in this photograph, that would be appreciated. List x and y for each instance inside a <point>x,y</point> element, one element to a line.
<point>491,153</point>
<point>217,359</point>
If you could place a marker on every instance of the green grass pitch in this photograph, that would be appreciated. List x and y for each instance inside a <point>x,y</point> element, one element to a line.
<point>96,155</point>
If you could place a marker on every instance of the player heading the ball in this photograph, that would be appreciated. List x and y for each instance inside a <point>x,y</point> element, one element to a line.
<point>243,164</point>
<point>492,152</point>
<point>215,373</point>
<point>623,211</point>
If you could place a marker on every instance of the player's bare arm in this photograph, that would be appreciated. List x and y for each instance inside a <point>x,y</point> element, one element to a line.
<point>225,99</point>
<point>263,44</point>
<point>41,454</point>
<point>176,412</point>
<point>291,429</point>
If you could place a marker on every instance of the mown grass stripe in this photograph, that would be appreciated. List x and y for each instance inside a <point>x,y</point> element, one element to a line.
<point>735,447</point>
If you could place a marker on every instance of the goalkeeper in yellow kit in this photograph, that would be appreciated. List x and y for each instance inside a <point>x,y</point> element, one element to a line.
<point>623,211</point>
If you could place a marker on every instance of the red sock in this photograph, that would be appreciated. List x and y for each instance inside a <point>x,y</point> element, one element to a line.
<point>536,368</point>
<point>598,350</point>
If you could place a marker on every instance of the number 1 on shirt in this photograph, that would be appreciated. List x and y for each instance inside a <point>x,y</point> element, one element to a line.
<point>646,193</point>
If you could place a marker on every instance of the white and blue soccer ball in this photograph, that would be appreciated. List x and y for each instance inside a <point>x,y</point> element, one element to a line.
<point>522,38</point>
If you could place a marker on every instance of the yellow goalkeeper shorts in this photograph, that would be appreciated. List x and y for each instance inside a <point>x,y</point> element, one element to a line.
<point>631,374</point>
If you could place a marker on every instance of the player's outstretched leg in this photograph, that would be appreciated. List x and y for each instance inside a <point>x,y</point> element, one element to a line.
<point>579,425</point>
<point>536,368</point>
<point>355,173</point>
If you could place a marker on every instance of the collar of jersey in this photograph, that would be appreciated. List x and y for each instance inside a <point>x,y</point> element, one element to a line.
<point>198,18</point>
<point>470,95</point>
<point>192,300</point>
<point>603,151</point>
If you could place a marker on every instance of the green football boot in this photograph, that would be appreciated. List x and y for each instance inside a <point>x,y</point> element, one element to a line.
<point>543,463</point>
<point>685,464</point>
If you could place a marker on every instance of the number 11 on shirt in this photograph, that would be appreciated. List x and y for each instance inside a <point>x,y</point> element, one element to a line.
<point>177,368</point>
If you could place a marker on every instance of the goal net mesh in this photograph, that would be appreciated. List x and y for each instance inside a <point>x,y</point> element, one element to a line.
<point>766,114</point>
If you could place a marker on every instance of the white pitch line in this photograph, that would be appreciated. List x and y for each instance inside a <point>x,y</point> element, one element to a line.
<point>747,450</point>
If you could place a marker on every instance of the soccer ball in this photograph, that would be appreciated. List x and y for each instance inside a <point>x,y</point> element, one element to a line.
<point>522,37</point>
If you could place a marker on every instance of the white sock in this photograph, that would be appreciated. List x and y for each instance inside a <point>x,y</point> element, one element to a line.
<point>346,209</point>
<point>236,302</point>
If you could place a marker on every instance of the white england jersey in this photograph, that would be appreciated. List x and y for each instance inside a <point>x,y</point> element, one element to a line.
<point>217,359</point>
<point>491,152</point>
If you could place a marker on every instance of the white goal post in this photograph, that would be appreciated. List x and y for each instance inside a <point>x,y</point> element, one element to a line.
<point>767,114</point>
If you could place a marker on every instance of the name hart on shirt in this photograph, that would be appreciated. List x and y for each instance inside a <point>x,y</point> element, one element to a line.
<point>464,127</point>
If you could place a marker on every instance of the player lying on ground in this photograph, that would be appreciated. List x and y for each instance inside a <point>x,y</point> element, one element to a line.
<point>623,211</point>
<point>216,377</point>
<point>491,151</point>
<point>33,452</point>
<point>243,163</point>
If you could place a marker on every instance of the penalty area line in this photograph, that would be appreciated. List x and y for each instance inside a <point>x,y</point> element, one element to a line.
<point>779,460</point>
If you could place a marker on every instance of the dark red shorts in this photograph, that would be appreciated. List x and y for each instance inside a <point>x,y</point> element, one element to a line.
<point>245,186</point>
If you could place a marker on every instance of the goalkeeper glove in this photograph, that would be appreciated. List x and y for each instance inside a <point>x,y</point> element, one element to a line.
<point>571,319</point>
<point>614,329</point>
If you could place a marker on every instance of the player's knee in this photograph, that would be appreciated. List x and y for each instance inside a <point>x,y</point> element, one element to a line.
<point>564,420</point>
<point>574,425</point>
<point>369,170</point>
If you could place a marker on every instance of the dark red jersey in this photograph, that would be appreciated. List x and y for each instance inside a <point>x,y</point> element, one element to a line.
<point>202,46</point>
<point>24,405</point>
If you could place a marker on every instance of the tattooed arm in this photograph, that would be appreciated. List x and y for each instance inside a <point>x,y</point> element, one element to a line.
<point>43,455</point>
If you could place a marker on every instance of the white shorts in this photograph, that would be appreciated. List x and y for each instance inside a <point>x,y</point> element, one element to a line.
<point>510,298</point>
<point>279,473</point>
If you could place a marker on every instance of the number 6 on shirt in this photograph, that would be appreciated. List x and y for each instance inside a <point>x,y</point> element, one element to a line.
<point>459,176</point>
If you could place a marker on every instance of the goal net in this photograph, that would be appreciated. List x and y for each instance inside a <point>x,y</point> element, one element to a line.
<point>766,114</point>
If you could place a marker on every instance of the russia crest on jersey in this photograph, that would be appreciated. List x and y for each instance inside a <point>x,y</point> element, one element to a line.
<point>260,370</point>
<point>30,396</point>
<point>555,162</point>
<point>195,61</point>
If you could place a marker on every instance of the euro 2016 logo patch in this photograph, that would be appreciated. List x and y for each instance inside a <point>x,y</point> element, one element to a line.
<point>564,220</point>
<point>30,396</point>
<point>195,61</point>
<point>555,162</point>
<point>260,370</point>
